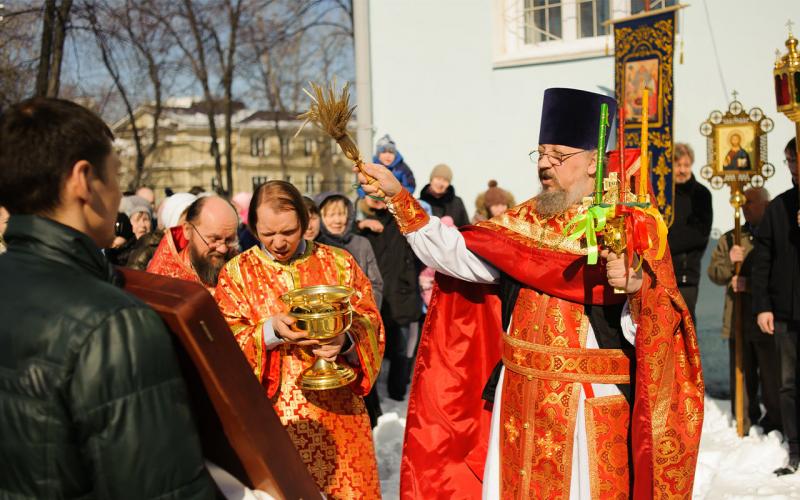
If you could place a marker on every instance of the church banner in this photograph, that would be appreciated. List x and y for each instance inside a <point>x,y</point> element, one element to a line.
<point>643,51</point>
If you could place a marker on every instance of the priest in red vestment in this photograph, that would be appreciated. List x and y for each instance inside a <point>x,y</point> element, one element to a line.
<point>330,428</point>
<point>197,249</point>
<point>590,393</point>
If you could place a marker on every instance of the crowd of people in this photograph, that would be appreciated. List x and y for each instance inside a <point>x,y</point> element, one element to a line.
<point>91,373</point>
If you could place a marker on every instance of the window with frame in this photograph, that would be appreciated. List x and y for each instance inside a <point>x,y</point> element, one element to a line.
<point>259,146</point>
<point>310,187</point>
<point>287,145</point>
<point>590,18</point>
<point>542,20</point>
<point>539,31</point>
<point>638,6</point>
<point>309,147</point>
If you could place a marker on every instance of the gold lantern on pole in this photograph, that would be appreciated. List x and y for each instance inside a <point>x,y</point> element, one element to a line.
<point>787,85</point>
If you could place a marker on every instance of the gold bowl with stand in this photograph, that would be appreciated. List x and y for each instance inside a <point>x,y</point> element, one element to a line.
<point>324,312</point>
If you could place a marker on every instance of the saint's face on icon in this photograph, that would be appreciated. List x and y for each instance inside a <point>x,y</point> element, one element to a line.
<point>737,158</point>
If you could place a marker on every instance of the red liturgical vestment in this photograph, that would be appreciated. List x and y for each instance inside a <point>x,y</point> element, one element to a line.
<point>172,258</point>
<point>330,428</point>
<point>648,450</point>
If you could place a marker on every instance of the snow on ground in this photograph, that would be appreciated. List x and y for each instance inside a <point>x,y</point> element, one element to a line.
<point>388,437</point>
<point>728,467</point>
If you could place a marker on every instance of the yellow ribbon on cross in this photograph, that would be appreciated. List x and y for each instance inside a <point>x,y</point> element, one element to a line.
<point>661,229</point>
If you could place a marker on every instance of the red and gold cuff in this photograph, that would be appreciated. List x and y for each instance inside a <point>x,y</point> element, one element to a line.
<point>408,212</point>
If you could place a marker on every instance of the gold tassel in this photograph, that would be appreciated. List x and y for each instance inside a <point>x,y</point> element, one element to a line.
<point>681,57</point>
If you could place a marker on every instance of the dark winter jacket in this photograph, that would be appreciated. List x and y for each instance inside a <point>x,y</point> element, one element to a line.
<point>400,170</point>
<point>358,246</point>
<point>776,260</point>
<point>447,204</point>
<point>92,402</point>
<point>688,235</point>
<point>402,302</point>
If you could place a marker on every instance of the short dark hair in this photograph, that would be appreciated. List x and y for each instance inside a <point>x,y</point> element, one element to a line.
<point>312,207</point>
<point>40,141</point>
<point>281,196</point>
<point>791,147</point>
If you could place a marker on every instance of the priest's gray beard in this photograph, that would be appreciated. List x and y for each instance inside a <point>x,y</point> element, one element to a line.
<point>556,201</point>
<point>208,267</point>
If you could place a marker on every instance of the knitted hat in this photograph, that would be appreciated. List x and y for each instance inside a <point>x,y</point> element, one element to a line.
<point>494,195</point>
<point>442,170</point>
<point>385,144</point>
<point>130,205</point>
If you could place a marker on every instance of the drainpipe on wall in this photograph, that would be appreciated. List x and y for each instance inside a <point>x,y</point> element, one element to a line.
<point>363,77</point>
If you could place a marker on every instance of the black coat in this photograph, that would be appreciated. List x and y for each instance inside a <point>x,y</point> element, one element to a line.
<point>402,302</point>
<point>93,402</point>
<point>447,204</point>
<point>688,235</point>
<point>776,260</point>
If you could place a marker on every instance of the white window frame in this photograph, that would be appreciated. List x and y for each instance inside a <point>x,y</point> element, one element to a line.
<point>510,48</point>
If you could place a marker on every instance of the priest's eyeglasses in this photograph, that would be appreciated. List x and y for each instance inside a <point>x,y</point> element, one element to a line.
<point>216,242</point>
<point>556,158</point>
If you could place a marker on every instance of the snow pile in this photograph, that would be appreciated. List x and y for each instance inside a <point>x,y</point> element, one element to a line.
<point>729,467</point>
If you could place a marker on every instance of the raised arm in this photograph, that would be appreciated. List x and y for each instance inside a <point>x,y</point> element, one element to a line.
<point>438,246</point>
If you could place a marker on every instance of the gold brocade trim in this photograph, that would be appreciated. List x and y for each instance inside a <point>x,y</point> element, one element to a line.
<point>583,331</point>
<point>343,274</point>
<point>603,432</point>
<point>523,221</point>
<point>662,406</point>
<point>372,345</point>
<point>407,211</point>
<point>574,401</point>
<point>530,394</point>
<point>598,366</point>
<point>591,439</point>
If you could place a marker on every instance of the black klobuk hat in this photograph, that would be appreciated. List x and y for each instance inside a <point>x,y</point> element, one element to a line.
<point>571,117</point>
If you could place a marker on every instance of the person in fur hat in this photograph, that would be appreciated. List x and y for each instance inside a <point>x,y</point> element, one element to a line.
<point>492,202</point>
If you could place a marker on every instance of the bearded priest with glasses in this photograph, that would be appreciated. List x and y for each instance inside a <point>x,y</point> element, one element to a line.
<point>198,249</point>
<point>590,393</point>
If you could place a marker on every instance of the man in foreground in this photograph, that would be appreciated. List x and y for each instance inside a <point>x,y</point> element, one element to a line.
<point>578,411</point>
<point>94,405</point>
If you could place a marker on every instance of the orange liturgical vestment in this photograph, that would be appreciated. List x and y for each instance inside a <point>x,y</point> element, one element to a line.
<point>330,428</point>
<point>172,258</point>
<point>644,445</point>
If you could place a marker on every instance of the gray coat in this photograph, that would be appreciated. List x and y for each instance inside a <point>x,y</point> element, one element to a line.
<point>358,246</point>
